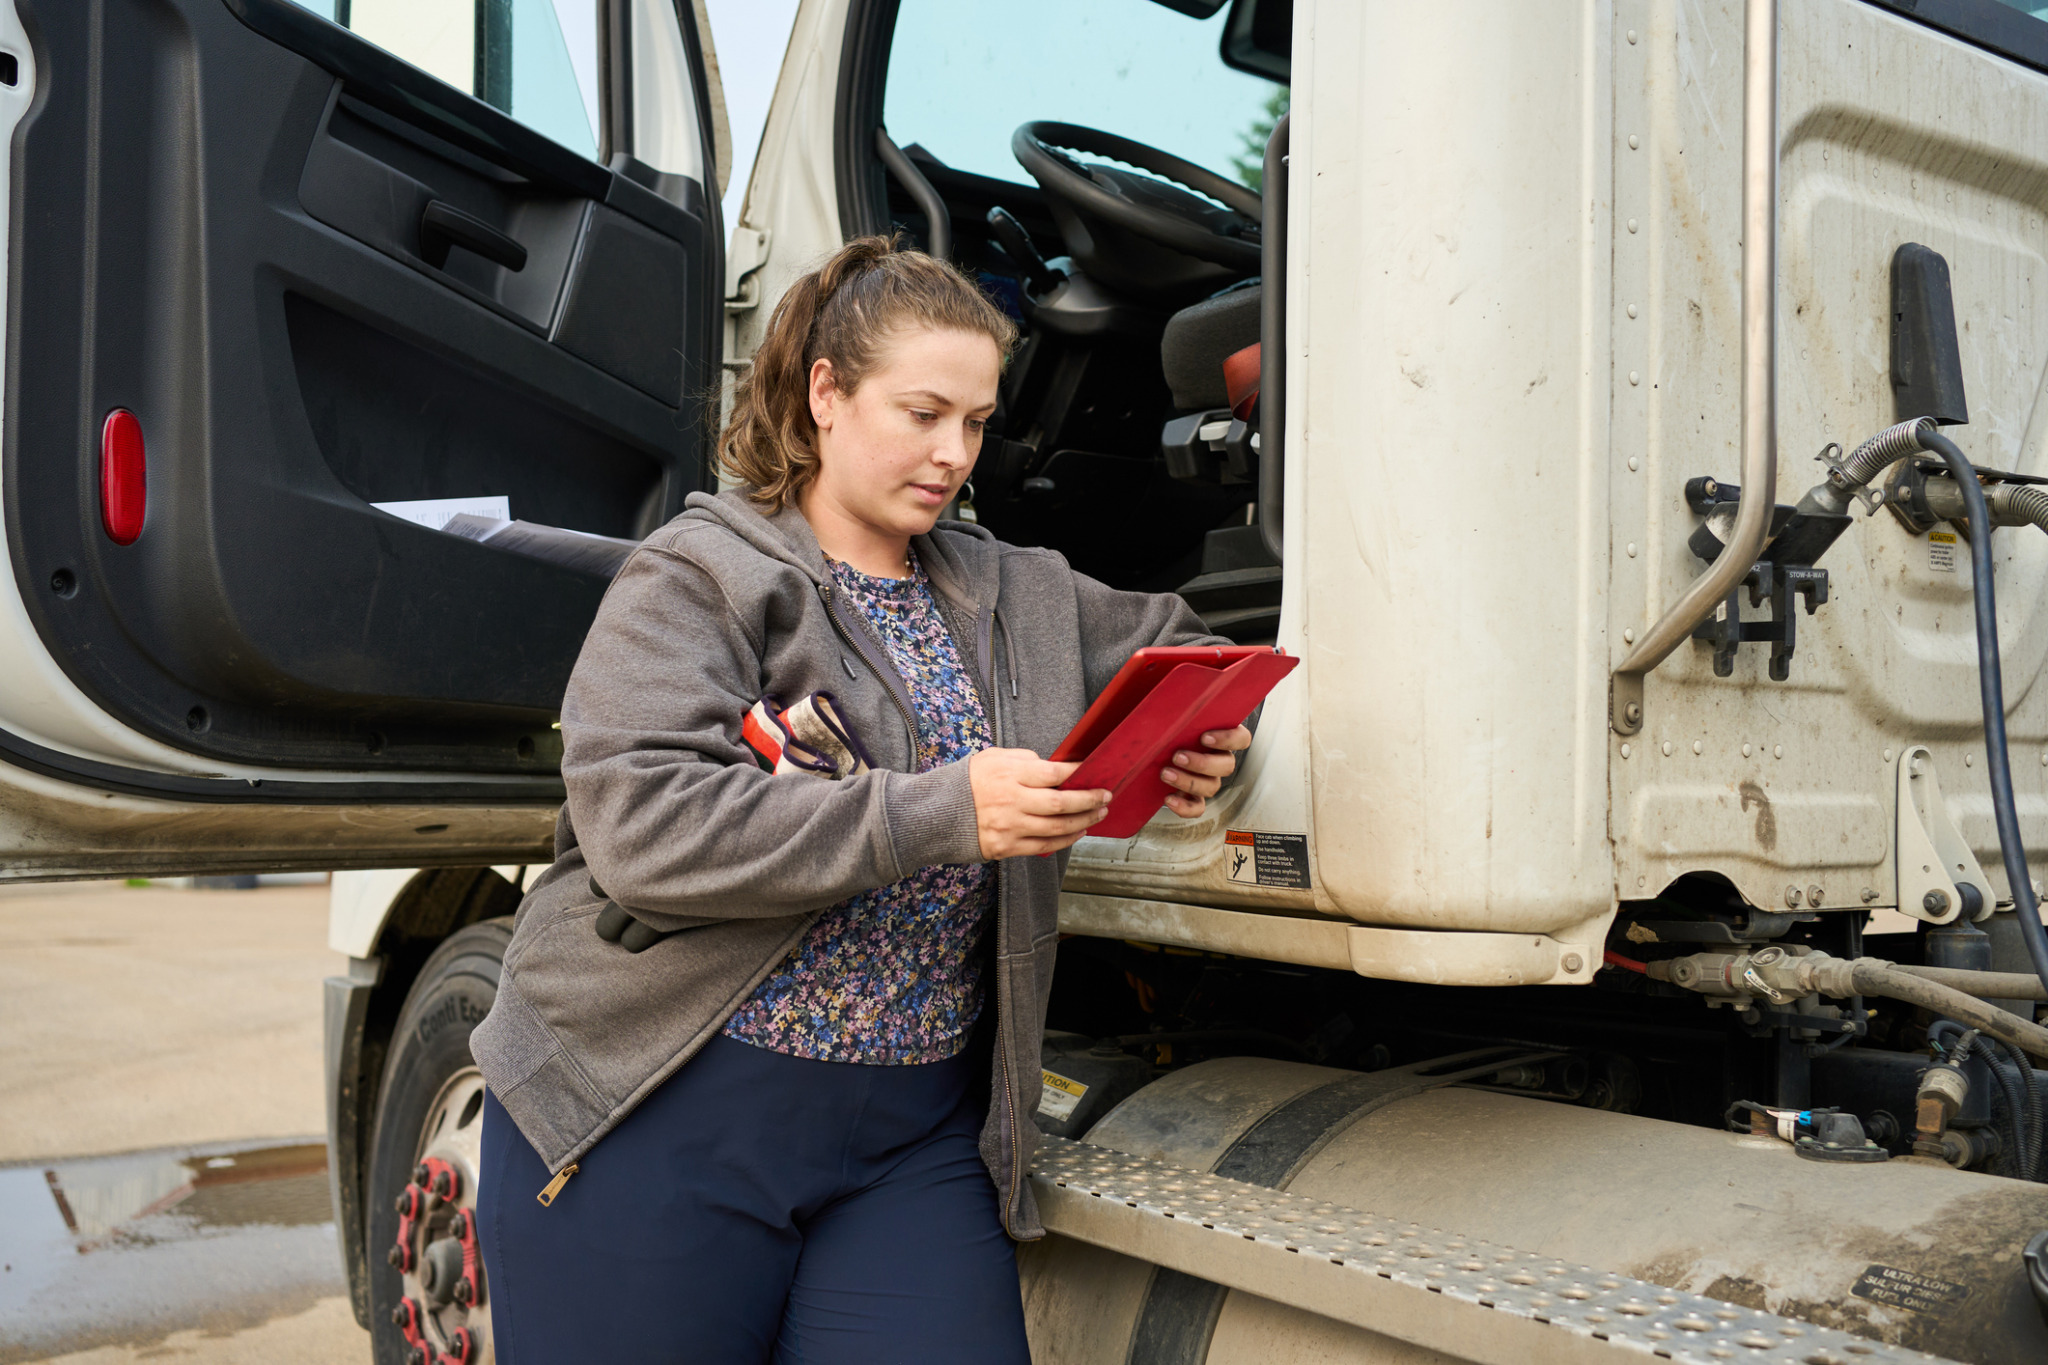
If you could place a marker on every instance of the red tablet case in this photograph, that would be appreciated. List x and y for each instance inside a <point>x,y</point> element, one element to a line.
<point>1162,700</point>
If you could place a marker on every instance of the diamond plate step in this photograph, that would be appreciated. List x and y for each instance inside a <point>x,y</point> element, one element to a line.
<point>1470,1298</point>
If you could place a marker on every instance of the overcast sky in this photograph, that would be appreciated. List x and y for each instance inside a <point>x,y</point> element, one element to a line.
<point>750,36</point>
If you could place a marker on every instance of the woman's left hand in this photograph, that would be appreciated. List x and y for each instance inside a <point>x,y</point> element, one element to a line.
<point>1197,774</point>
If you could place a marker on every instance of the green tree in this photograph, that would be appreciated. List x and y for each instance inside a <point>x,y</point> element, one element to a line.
<point>1250,163</point>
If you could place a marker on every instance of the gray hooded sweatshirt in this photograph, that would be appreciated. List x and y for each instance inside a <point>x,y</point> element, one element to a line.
<point>669,813</point>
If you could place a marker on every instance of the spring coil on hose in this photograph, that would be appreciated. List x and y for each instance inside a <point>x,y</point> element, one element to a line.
<point>2019,502</point>
<point>1881,452</point>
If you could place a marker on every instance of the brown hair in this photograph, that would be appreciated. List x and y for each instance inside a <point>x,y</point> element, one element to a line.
<point>844,312</point>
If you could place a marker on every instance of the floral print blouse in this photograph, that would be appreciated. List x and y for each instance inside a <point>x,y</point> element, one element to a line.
<point>892,976</point>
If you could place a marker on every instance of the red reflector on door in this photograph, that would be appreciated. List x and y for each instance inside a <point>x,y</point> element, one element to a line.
<point>122,495</point>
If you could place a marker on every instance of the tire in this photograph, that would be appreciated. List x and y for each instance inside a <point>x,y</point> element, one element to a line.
<point>426,1139</point>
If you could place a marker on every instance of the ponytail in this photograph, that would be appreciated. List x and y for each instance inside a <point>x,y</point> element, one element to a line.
<point>845,311</point>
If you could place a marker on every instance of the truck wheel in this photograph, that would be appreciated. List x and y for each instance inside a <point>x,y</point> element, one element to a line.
<point>429,1300</point>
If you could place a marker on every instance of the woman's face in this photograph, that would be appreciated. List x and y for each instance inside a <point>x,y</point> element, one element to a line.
<point>895,451</point>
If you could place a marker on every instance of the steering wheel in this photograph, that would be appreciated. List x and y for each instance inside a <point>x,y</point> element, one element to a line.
<point>1156,208</point>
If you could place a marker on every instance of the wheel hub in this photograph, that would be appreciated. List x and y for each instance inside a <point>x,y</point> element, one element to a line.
<point>444,1312</point>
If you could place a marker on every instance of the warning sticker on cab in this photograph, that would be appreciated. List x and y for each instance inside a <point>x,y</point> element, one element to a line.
<point>1059,1096</point>
<point>1263,859</point>
<point>1941,551</point>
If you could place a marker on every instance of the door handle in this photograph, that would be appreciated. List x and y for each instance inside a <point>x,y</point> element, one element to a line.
<point>443,226</point>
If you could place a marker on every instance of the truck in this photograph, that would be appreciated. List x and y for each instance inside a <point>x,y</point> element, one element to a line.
<point>1623,938</point>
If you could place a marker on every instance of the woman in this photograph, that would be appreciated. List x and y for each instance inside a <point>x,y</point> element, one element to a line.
<point>815,1093</point>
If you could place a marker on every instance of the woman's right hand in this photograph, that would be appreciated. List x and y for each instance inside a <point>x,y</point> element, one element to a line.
<point>1019,809</point>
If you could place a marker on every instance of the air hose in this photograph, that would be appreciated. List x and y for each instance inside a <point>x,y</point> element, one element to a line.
<point>2030,1102</point>
<point>1991,689</point>
<point>2010,504</point>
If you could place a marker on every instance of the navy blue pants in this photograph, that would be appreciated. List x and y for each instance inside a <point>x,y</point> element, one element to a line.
<point>760,1207</point>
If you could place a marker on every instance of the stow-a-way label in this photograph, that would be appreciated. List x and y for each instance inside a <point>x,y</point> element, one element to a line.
<point>1060,1096</point>
<point>1264,859</point>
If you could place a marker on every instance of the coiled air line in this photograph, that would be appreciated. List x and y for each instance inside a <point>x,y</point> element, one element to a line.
<point>2027,504</point>
<point>1848,479</point>
<point>1782,975</point>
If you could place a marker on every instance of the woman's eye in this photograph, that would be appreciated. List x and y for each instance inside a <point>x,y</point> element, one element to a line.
<point>922,417</point>
<point>977,425</point>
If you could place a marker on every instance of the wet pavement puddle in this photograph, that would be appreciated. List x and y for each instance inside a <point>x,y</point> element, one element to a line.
<point>128,1248</point>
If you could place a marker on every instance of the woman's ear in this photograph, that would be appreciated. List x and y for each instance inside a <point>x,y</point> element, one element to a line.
<point>824,395</point>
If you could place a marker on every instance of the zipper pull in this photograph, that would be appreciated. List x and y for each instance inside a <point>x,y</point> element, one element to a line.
<point>547,1196</point>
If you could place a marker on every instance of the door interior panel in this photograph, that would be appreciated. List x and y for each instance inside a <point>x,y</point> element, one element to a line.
<point>370,176</point>
<point>396,422</point>
<point>248,275</point>
<point>624,298</point>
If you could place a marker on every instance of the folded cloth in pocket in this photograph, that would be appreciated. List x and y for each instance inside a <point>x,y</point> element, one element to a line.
<point>810,736</point>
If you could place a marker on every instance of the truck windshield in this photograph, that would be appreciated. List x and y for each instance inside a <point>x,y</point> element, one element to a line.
<point>963,74</point>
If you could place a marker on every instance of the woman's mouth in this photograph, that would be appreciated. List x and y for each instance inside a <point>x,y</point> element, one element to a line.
<point>932,494</point>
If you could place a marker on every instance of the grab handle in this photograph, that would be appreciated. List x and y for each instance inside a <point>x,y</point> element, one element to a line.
<point>1759,375</point>
<point>443,226</point>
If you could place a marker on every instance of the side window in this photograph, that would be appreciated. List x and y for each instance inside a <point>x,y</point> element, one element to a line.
<point>534,59</point>
<point>959,84</point>
<point>665,134</point>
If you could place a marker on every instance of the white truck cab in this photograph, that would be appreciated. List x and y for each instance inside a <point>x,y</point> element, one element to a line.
<point>1476,353</point>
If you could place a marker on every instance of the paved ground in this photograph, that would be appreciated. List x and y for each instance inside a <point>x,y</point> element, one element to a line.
<point>162,1190</point>
<point>138,1017</point>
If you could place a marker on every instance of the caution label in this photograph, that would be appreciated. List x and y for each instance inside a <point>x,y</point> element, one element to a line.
<point>1059,1095</point>
<point>1905,1289</point>
<point>1941,551</point>
<point>1263,859</point>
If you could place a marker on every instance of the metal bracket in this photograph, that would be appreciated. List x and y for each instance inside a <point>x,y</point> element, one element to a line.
<point>1778,584</point>
<point>1475,1300</point>
<point>1625,702</point>
<point>746,255</point>
<point>1838,475</point>
<point>1930,858</point>
<point>1751,926</point>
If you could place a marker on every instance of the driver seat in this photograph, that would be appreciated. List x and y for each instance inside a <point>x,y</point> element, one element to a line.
<point>1199,338</point>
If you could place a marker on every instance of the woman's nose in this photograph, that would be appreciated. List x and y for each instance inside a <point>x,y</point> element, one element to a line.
<point>953,451</point>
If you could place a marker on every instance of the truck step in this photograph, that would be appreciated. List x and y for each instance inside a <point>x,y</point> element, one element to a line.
<point>1471,1299</point>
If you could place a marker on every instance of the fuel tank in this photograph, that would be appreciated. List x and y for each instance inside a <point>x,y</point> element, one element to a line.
<point>1897,1252</point>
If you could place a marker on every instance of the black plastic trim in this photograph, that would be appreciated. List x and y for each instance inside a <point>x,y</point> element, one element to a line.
<point>377,77</point>
<point>1988,24</point>
<point>1258,42</point>
<point>857,172</point>
<point>614,68</point>
<point>243,791</point>
<point>700,88</point>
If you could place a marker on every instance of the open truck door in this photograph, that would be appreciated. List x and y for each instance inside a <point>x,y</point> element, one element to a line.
<point>273,268</point>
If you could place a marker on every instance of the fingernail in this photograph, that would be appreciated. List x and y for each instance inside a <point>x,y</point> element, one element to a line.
<point>1166,776</point>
